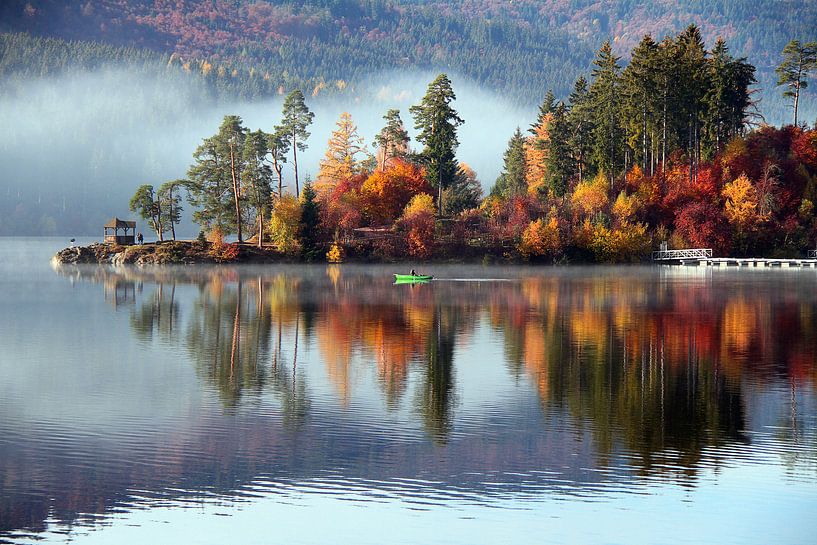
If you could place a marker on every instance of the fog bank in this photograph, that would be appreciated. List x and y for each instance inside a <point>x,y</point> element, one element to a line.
<point>74,149</point>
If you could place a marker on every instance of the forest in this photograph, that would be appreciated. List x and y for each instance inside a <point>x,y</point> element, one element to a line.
<point>668,148</point>
<point>258,48</point>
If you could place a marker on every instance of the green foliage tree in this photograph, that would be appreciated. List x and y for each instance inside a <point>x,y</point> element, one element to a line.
<point>170,204</point>
<point>511,180</point>
<point>547,106</point>
<point>214,179</point>
<point>295,120</point>
<point>392,140</point>
<point>309,222</point>
<point>605,103</point>
<point>278,146</point>
<point>257,177</point>
<point>437,122</point>
<point>580,120</point>
<point>559,163</point>
<point>144,203</point>
<point>799,60</point>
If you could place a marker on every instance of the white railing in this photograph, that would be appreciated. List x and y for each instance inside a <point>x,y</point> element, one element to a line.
<point>812,254</point>
<point>692,253</point>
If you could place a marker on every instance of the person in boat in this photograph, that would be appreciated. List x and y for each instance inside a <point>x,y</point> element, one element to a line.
<point>413,273</point>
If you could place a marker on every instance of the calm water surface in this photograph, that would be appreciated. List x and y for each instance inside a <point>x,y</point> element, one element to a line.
<point>322,404</point>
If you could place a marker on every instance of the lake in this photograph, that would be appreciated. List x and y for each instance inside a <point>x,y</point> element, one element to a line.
<point>323,404</point>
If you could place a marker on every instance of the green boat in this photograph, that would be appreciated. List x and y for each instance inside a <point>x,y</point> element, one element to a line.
<point>412,278</point>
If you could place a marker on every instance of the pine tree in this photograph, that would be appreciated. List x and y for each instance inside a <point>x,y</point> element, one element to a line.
<point>799,60</point>
<point>344,145</point>
<point>215,178</point>
<point>605,103</point>
<point>392,140</point>
<point>170,204</point>
<point>257,177</point>
<point>437,124</point>
<point>295,120</point>
<point>512,179</point>
<point>278,145</point>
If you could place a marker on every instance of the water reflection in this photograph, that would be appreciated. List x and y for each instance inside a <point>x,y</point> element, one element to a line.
<point>634,373</point>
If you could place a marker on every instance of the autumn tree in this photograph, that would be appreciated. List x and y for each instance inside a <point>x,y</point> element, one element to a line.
<point>295,120</point>
<point>387,192</point>
<point>340,161</point>
<point>799,60</point>
<point>285,223</point>
<point>418,222</point>
<point>740,208</point>
<point>437,122</point>
<point>392,141</point>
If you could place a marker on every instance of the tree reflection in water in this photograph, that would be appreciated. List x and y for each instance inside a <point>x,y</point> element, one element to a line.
<point>649,364</point>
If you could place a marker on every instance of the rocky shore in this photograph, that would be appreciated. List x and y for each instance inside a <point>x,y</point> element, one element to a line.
<point>168,253</point>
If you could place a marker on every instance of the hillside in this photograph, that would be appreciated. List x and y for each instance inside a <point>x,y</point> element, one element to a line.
<point>520,49</point>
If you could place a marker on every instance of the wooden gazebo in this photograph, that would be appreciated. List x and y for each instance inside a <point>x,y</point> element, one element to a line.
<point>113,228</point>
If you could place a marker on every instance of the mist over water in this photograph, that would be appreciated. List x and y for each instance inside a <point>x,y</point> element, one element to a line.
<point>75,148</point>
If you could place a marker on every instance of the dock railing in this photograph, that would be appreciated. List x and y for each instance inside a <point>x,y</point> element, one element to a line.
<point>692,253</point>
<point>812,254</point>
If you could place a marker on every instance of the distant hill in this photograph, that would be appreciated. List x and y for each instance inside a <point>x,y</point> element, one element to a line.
<point>520,48</point>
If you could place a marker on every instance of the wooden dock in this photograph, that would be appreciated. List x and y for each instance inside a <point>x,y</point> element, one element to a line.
<point>702,257</point>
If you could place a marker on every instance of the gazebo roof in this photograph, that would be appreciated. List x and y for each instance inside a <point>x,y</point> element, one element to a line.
<point>116,223</point>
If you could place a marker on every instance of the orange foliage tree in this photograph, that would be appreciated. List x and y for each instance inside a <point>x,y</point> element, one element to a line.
<point>386,192</point>
<point>418,222</point>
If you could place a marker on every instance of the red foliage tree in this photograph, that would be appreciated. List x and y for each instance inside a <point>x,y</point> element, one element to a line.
<point>702,225</point>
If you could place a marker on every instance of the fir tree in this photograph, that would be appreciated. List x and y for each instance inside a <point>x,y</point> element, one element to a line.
<point>512,179</point>
<point>605,103</point>
<point>581,125</point>
<point>437,124</point>
<point>310,220</point>
<point>560,166</point>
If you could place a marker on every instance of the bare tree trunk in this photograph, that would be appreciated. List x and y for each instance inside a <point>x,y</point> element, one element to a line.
<point>295,163</point>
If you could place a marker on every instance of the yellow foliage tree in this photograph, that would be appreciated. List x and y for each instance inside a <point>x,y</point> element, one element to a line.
<point>340,161</point>
<point>283,225</point>
<point>590,196</point>
<point>541,237</point>
<point>335,253</point>
<point>625,207</point>
<point>627,242</point>
<point>420,203</point>
<point>741,201</point>
<point>536,156</point>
